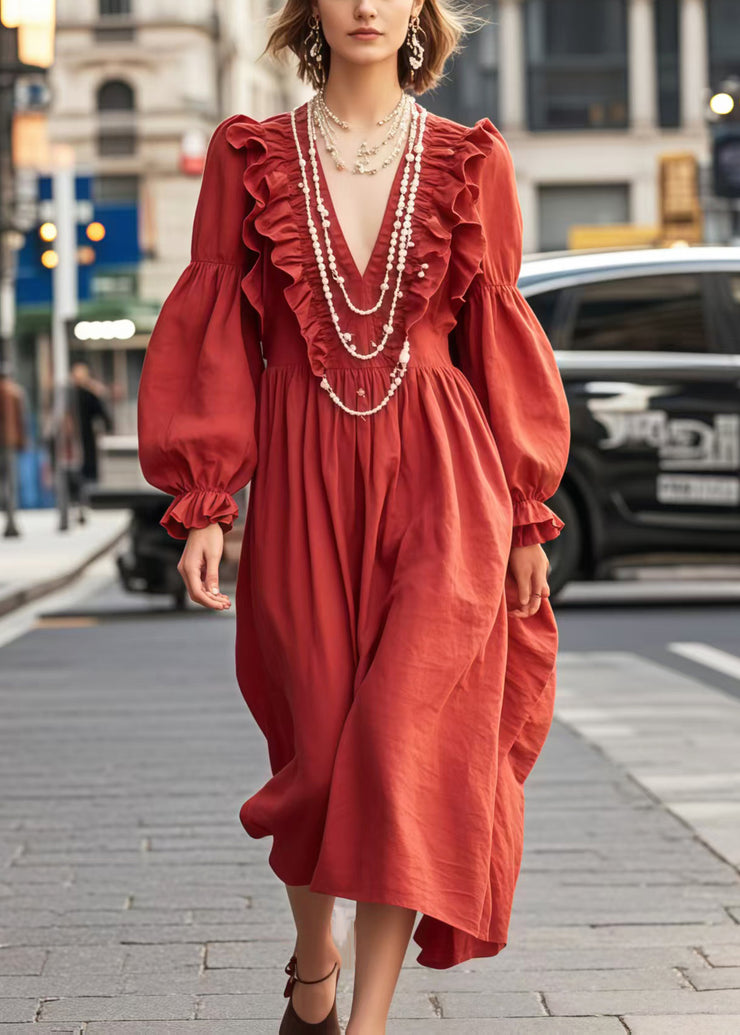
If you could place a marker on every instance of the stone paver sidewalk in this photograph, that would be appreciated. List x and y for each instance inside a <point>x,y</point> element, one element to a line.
<point>131,901</point>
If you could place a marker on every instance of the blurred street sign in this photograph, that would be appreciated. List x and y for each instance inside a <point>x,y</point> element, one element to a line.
<point>681,216</point>
<point>115,247</point>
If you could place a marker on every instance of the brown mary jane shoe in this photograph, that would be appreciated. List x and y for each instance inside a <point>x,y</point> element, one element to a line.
<point>291,1023</point>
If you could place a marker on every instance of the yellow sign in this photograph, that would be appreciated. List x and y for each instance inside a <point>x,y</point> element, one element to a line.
<point>612,235</point>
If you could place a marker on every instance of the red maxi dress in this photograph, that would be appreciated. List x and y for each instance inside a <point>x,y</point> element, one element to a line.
<point>402,706</point>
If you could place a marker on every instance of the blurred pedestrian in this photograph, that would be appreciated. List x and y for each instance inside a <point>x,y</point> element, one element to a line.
<point>85,412</point>
<point>395,642</point>
<point>13,437</point>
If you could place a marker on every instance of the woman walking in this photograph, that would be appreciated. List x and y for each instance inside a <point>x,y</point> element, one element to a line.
<point>349,338</point>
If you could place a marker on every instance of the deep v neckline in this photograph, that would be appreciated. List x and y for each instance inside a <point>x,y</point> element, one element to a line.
<point>336,233</point>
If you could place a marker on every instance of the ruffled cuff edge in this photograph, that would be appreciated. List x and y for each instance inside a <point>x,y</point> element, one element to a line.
<point>198,508</point>
<point>534,522</point>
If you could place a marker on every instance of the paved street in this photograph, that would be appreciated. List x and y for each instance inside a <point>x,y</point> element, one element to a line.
<point>131,901</point>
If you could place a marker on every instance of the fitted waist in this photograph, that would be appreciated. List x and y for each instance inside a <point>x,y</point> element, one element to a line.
<point>444,366</point>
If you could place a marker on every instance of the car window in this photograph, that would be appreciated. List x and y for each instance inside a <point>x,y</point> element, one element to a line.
<point>661,313</point>
<point>543,306</point>
<point>731,304</point>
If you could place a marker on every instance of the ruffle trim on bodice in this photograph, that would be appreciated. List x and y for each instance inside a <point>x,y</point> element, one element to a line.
<point>447,233</point>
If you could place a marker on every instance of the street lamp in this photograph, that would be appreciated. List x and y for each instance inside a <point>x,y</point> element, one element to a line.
<point>27,29</point>
<point>35,21</point>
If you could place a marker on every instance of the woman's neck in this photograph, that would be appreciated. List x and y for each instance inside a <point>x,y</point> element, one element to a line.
<point>362,95</point>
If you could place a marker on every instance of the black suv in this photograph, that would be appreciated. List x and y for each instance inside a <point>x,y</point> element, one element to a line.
<point>648,346</point>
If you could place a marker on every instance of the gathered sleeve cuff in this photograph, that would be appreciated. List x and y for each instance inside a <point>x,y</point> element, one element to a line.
<point>199,387</point>
<point>534,522</point>
<point>504,352</point>
<point>198,508</point>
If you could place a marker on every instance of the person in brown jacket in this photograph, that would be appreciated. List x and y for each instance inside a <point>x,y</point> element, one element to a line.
<point>13,437</point>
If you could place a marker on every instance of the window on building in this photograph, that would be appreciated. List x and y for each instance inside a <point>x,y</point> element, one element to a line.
<point>576,64</point>
<point>114,8</point>
<point>724,40</point>
<point>564,206</point>
<point>469,89</point>
<point>123,189</point>
<point>116,118</point>
<point>116,143</point>
<point>115,95</point>
<point>115,24</point>
<point>666,40</point>
<point>652,313</point>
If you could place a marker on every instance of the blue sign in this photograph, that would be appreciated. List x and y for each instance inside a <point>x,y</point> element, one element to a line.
<point>118,251</point>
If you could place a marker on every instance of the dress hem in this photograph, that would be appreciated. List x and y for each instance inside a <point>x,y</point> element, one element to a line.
<point>392,898</point>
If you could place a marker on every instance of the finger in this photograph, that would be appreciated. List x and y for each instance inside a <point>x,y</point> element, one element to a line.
<point>191,573</point>
<point>535,600</point>
<point>210,579</point>
<point>524,589</point>
<point>542,592</point>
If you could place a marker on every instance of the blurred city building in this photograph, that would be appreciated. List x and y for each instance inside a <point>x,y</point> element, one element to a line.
<point>604,104</point>
<point>136,89</point>
<point>590,94</point>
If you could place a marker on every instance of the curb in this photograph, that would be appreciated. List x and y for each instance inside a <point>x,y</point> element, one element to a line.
<point>16,598</point>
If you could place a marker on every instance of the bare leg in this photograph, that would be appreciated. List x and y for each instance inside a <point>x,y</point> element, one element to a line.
<point>315,951</point>
<point>382,936</point>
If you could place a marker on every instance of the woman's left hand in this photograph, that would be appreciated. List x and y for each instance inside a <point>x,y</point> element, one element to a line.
<point>528,567</point>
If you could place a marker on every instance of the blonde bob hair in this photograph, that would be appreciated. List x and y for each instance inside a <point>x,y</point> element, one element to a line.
<point>443,22</point>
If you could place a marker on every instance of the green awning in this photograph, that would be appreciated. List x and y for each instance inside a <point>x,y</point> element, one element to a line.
<point>37,319</point>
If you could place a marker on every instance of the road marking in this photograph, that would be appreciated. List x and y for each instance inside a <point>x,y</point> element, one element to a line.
<point>64,622</point>
<point>711,657</point>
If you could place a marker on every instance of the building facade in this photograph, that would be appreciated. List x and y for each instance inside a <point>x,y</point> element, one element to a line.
<point>136,89</point>
<point>589,94</point>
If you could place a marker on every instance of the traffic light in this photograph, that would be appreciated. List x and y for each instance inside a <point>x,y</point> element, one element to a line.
<point>724,116</point>
<point>47,234</point>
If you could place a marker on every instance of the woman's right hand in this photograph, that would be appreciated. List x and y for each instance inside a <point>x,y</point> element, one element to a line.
<point>198,566</point>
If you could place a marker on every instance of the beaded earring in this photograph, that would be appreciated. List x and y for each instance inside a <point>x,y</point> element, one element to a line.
<point>313,41</point>
<point>416,48</point>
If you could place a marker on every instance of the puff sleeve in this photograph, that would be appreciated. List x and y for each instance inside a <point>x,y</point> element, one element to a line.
<point>200,379</point>
<point>503,351</point>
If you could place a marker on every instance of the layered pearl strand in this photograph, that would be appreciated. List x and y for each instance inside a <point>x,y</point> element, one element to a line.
<point>394,242</point>
<point>400,241</point>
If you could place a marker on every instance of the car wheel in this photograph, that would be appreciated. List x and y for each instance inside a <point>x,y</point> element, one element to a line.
<point>564,552</point>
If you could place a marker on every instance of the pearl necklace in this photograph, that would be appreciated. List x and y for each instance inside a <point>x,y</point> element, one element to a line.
<point>398,119</point>
<point>404,210</point>
<point>397,223</point>
<point>413,155</point>
<point>321,95</point>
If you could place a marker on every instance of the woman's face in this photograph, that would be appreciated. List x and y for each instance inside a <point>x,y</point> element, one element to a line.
<point>386,22</point>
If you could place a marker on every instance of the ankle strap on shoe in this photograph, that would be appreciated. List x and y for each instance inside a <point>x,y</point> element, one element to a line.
<point>292,969</point>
